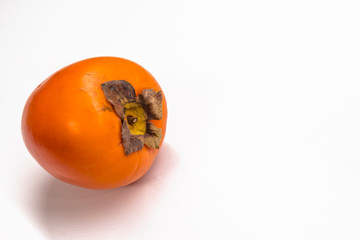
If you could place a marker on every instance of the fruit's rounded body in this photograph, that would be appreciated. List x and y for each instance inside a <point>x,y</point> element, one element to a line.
<point>73,132</point>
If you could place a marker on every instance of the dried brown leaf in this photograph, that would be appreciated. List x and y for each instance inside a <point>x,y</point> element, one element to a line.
<point>152,137</point>
<point>131,143</point>
<point>152,103</point>
<point>118,92</point>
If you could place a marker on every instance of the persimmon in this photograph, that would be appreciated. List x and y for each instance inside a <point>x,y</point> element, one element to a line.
<point>97,123</point>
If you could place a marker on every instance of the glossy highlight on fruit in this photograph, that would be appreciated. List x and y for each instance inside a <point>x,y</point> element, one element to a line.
<point>97,123</point>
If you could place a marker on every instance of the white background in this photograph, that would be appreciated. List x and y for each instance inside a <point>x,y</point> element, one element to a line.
<point>263,130</point>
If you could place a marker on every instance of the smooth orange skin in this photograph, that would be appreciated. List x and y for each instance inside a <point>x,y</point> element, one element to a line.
<point>71,130</point>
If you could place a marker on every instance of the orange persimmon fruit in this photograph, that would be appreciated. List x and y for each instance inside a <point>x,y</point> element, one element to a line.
<point>97,123</point>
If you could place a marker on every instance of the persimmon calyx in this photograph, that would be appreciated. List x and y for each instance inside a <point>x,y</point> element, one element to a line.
<point>135,113</point>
